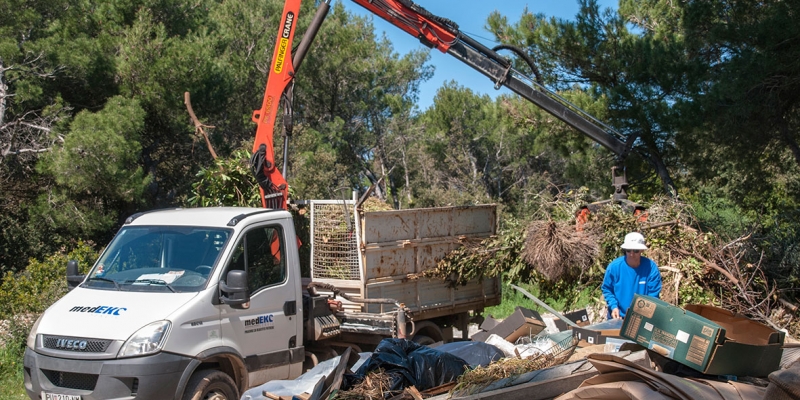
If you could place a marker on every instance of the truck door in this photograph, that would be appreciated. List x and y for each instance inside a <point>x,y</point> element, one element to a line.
<point>267,333</point>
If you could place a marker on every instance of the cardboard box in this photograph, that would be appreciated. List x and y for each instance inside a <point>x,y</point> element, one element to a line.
<point>489,323</point>
<point>613,344</point>
<point>579,317</point>
<point>480,336</point>
<point>521,322</point>
<point>554,324</point>
<point>709,339</point>
<point>593,334</point>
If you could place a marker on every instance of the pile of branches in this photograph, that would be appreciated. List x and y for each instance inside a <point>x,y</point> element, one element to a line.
<point>375,204</point>
<point>375,386</point>
<point>557,250</point>
<point>700,267</point>
<point>738,285</point>
<point>477,379</point>
<point>479,258</point>
<point>697,267</point>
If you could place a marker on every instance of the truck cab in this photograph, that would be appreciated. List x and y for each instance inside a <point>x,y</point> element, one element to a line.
<point>181,302</point>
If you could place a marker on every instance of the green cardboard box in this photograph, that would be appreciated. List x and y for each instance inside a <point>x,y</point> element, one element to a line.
<point>709,339</point>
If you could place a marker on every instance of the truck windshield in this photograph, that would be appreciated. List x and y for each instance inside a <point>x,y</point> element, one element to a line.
<point>159,258</point>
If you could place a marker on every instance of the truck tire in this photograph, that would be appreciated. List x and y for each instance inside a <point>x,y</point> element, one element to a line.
<point>211,384</point>
<point>423,340</point>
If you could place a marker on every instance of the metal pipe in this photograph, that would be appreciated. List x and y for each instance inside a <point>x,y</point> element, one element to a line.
<point>401,323</point>
<point>337,292</point>
<point>546,307</point>
<point>311,33</point>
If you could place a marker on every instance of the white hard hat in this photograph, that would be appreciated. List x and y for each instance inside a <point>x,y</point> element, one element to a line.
<point>634,241</point>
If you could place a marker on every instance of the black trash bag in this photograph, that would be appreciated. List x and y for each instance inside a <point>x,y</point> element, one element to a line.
<point>409,364</point>
<point>477,354</point>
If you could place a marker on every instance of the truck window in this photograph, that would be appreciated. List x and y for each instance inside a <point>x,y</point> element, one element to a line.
<point>260,252</point>
<point>151,257</point>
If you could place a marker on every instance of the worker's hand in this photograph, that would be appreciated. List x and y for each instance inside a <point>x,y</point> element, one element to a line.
<point>615,313</point>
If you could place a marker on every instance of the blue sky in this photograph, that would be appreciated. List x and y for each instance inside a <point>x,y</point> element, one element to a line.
<point>470,15</point>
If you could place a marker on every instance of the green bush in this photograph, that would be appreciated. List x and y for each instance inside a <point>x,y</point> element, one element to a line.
<point>13,334</point>
<point>23,297</point>
<point>229,182</point>
<point>11,386</point>
<point>42,283</point>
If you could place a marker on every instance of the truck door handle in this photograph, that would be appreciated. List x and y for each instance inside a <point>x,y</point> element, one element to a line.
<point>290,308</point>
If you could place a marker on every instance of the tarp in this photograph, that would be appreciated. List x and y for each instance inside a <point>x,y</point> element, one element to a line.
<point>477,354</point>
<point>310,382</point>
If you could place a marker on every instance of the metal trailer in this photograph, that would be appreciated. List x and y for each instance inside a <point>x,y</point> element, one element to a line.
<point>380,254</point>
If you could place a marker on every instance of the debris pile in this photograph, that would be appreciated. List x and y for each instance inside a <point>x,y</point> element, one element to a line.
<point>406,364</point>
<point>538,353</point>
<point>375,385</point>
<point>656,345</point>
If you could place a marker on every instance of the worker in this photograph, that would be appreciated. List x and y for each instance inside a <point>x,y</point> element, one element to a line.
<point>630,274</point>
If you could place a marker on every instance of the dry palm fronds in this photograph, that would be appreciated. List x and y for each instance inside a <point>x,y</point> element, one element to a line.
<point>556,249</point>
<point>475,380</point>
<point>374,387</point>
<point>479,378</point>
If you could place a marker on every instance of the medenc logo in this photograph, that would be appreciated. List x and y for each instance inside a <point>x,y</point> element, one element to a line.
<point>109,310</point>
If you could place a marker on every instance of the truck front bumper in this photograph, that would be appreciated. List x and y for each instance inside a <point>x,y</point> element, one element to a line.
<point>152,377</point>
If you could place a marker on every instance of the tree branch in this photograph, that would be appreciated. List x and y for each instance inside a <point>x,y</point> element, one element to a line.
<point>709,264</point>
<point>198,127</point>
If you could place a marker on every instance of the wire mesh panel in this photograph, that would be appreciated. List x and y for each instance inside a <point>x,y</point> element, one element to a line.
<point>550,350</point>
<point>334,250</point>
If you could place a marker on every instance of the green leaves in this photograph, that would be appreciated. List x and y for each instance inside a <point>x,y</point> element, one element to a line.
<point>100,156</point>
<point>229,182</point>
<point>494,256</point>
<point>43,282</point>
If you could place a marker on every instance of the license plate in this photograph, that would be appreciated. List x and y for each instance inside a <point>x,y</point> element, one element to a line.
<point>56,396</point>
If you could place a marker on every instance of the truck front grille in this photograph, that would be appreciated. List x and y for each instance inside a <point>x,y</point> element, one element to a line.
<point>71,344</point>
<point>71,380</point>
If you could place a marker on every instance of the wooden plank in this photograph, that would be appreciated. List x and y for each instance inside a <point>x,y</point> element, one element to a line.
<point>338,373</point>
<point>439,389</point>
<point>271,396</point>
<point>414,393</point>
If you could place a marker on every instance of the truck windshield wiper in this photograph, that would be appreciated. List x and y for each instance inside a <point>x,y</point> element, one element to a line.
<point>153,282</point>
<point>97,278</point>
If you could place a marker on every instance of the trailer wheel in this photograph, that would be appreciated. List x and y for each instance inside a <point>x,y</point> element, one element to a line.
<point>423,340</point>
<point>211,384</point>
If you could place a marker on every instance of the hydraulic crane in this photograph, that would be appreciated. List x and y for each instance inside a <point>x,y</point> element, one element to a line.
<point>272,184</point>
<point>434,32</point>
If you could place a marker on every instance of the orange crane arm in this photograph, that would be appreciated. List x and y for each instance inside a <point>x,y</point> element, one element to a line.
<point>272,184</point>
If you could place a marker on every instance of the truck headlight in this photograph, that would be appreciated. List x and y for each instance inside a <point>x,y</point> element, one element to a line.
<point>32,333</point>
<point>147,340</point>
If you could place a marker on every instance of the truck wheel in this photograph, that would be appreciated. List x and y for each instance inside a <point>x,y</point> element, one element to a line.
<point>211,384</point>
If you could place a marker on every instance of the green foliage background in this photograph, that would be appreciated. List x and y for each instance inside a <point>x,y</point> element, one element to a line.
<point>93,128</point>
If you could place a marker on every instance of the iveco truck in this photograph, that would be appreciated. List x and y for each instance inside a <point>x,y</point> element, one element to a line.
<point>205,303</point>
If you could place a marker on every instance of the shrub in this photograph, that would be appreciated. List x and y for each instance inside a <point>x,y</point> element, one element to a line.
<point>42,283</point>
<point>25,295</point>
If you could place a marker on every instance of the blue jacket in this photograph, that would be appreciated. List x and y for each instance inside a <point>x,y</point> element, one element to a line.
<point>622,281</point>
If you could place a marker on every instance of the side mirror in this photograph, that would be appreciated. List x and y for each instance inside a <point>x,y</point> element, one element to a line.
<point>235,285</point>
<point>73,276</point>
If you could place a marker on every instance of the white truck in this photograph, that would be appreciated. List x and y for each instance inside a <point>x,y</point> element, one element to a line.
<point>205,303</point>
